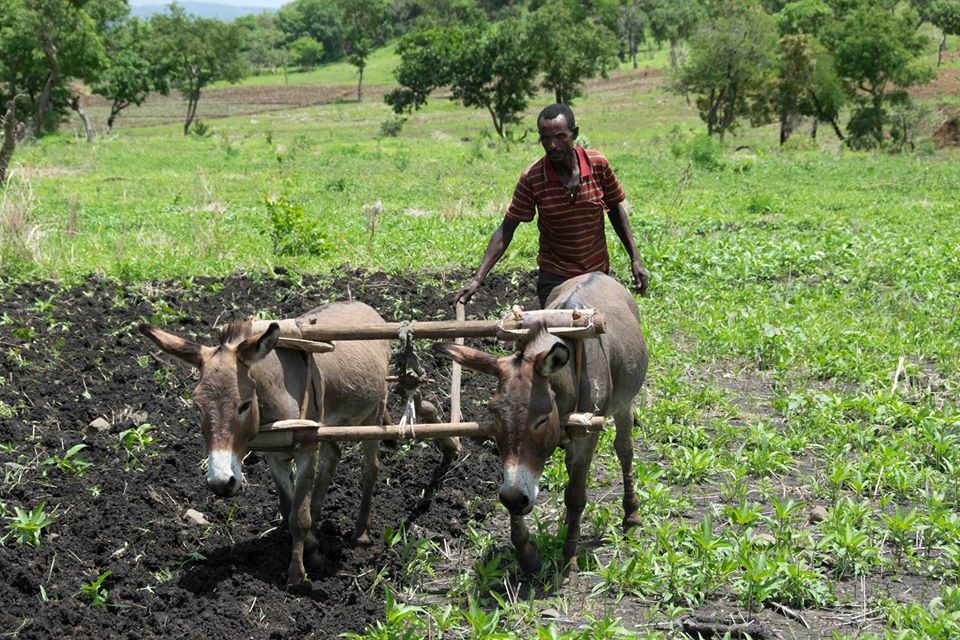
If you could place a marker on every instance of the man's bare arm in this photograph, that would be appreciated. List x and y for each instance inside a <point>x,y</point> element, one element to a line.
<point>621,225</point>
<point>497,246</point>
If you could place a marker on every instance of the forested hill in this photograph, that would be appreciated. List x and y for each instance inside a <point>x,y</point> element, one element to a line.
<point>225,12</point>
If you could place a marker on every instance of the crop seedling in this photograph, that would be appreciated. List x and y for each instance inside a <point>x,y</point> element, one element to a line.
<point>136,441</point>
<point>70,461</point>
<point>94,591</point>
<point>26,526</point>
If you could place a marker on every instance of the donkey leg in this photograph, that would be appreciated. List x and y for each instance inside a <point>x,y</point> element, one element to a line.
<point>370,469</point>
<point>328,456</point>
<point>623,444</point>
<point>528,557</point>
<point>282,474</point>
<point>578,457</point>
<point>449,447</point>
<point>300,515</point>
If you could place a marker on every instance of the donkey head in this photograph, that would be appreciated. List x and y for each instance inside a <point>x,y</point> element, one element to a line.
<point>226,394</point>
<point>526,422</point>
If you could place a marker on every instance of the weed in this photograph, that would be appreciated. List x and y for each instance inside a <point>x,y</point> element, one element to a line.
<point>291,231</point>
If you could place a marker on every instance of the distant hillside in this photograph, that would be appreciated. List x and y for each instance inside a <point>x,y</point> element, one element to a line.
<point>225,12</point>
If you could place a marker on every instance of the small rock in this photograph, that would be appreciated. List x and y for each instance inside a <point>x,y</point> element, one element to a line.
<point>818,514</point>
<point>99,425</point>
<point>193,516</point>
<point>764,539</point>
<point>139,417</point>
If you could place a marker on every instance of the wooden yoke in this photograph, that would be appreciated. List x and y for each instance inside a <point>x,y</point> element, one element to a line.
<point>289,434</point>
<point>570,323</point>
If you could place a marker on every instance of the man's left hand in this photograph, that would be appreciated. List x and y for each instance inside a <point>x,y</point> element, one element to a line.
<point>641,279</point>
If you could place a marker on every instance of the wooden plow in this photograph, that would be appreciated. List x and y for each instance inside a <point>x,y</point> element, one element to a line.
<point>311,337</point>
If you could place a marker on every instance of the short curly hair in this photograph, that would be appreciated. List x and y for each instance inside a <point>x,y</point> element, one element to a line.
<point>555,111</point>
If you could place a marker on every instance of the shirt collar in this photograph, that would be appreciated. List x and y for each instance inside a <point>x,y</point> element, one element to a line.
<point>585,169</point>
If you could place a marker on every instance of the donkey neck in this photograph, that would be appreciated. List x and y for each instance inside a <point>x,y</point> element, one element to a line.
<point>592,390</point>
<point>281,381</point>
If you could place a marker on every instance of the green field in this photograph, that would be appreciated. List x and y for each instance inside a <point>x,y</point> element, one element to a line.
<point>803,323</point>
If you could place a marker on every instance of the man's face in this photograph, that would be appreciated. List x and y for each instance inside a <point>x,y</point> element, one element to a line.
<point>557,138</point>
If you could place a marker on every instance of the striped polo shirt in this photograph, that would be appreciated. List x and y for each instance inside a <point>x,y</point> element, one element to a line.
<point>572,239</point>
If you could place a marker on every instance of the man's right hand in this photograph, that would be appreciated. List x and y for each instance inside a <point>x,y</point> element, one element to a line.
<point>466,293</point>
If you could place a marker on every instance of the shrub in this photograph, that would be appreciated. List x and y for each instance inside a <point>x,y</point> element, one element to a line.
<point>291,231</point>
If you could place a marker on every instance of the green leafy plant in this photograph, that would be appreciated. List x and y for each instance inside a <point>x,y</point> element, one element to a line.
<point>136,441</point>
<point>94,591</point>
<point>26,526</point>
<point>70,461</point>
<point>291,231</point>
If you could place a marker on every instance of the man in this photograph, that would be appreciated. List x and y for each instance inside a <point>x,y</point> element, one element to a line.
<point>570,189</point>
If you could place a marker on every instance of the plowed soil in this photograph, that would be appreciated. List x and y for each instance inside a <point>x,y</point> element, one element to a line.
<point>69,356</point>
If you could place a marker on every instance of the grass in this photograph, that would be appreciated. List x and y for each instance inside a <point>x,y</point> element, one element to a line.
<point>803,325</point>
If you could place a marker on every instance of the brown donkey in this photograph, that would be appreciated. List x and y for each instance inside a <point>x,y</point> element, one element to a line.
<point>245,381</point>
<point>537,390</point>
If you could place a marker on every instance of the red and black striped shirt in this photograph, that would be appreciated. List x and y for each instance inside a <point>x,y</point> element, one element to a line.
<point>572,239</point>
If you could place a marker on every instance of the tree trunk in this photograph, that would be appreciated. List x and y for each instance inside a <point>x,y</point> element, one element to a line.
<point>43,104</point>
<point>9,137</point>
<point>789,122</point>
<point>191,111</point>
<point>813,129</point>
<point>712,112</point>
<point>558,95</point>
<point>76,106</point>
<point>497,125</point>
<point>360,84</point>
<point>673,53</point>
<point>115,110</point>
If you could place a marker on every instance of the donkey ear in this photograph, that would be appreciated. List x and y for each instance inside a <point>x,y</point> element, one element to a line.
<point>255,348</point>
<point>552,360</point>
<point>186,350</point>
<point>469,357</point>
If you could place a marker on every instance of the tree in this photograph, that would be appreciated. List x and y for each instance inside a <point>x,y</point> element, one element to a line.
<point>132,70</point>
<point>491,68</point>
<point>319,19</point>
<point>197,51</point>
<point>877,56</point>
<point>307,52</point>
<point>632,22</point>
<point>262,41</point>
<point>496,72</point>
<point>945,14</point>
<point>569,49</point>
<point>64,37</point>
<point>365,23</point>
<point>807,79</point>
<point>674,20</point>
<point>731,67</point>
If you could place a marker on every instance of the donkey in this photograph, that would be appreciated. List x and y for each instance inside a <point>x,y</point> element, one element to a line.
<point>537,389</point>
<point>244,381</point>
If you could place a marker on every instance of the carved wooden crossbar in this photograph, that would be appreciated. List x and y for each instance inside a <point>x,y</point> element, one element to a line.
<point>286,435</point>
<point>566,323</point>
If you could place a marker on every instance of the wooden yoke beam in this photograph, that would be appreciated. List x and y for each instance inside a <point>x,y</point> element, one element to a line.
<point>288,434</point>
<point>572,323</point>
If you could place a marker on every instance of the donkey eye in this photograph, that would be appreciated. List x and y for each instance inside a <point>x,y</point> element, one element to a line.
<point>542,421</point>
<point>243,408</point>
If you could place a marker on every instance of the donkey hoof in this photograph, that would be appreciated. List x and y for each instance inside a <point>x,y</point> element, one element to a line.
<point>296,578</point>
<point>316,563</point>
<point>529,560</point>
<point>631,521</point>
<point>362,538</point>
